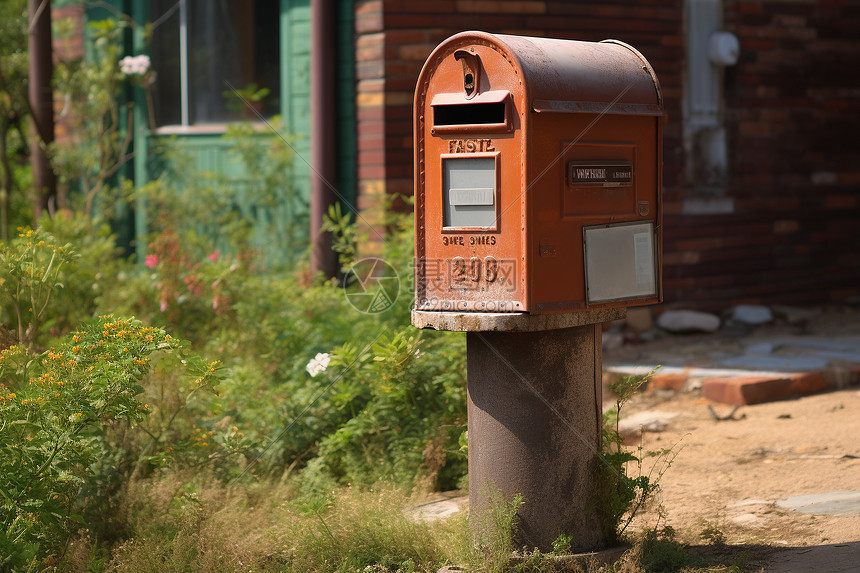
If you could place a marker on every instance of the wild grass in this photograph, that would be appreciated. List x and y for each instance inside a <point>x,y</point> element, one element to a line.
<point>172,524</point>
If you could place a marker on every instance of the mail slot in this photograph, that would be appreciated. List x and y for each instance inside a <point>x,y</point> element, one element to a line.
<point>538,166</point>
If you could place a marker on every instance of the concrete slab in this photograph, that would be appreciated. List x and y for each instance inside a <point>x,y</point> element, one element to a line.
<point>830,503</point>
<point>778,363</point>
<point>649,420</point>
<point>692,373</point>
<point>842,344</point>
<point>439,506</point>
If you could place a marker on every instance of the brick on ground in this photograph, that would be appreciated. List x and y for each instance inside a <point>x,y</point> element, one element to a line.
<point>744,390</point>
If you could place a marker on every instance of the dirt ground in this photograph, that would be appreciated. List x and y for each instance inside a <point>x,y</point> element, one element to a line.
<point>730,475</point>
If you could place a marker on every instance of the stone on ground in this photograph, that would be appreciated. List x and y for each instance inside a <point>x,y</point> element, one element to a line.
<point>688,321</point>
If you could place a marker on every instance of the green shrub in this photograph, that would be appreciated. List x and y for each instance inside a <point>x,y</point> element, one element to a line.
<point>30,273</point>
<point>53,412</point>
<point>391,403</point>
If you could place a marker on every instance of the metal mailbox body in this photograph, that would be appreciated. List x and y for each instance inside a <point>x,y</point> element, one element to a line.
<point>537,176</point>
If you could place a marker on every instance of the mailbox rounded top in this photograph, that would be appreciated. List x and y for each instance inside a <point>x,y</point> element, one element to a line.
<point>568,75</point>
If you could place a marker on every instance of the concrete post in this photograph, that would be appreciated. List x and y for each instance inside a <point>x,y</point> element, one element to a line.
<point>534,417</point>
<point>534,407</point>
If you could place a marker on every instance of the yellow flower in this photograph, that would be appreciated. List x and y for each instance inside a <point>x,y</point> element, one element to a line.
<point>76,349</point>
<point>79,415</point>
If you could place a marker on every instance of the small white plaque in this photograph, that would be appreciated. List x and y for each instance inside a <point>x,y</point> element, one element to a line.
<point>620,261</point>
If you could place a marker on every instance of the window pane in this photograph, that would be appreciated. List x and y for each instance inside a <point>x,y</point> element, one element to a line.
<point>164,55</point>
<point>233,42</point>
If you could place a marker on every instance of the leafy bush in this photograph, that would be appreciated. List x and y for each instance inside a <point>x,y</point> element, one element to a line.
<point>391,403</point>
<point>54,408</point>
<point>30,272</point>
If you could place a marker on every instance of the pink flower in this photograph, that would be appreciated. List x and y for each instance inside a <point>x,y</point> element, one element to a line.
<point>214,256</point>
<point>151,261</point>
<point>216,301</point>
<point>163,305</point>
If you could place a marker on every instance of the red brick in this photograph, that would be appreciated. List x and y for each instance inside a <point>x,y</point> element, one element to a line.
<point>371,157</point>
<point>400,186</point>
<point>787,226</point>
<point>446,6</point>
<point>495,7</point>
<point>367,6</point>
<point>371,22</point>
<point>675,381</point>
<point>757,389</point>
<point>840,202</point>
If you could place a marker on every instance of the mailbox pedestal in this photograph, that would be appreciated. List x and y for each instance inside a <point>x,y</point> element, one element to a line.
<point>535,412</point>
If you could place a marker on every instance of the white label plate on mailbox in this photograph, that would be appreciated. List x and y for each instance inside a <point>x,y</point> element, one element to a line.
<point>469,192</point>
<point>620,261</point>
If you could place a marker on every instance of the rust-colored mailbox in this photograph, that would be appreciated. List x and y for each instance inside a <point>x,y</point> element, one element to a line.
<point>537,176</point>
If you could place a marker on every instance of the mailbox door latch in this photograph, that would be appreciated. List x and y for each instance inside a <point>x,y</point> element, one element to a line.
<point>471,71</point>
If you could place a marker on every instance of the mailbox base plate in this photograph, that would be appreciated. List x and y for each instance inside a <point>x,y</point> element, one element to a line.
<point>511,321</point>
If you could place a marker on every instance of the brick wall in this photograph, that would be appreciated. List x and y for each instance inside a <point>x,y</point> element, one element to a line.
<point>792,117</point>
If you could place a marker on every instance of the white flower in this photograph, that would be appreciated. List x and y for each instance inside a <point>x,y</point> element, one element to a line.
<point>134,65</point>
<point>318,363</point>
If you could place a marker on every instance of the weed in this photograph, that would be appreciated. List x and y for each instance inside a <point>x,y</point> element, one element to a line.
<point>561,544</point>
<point>30,274</point>
<point>493,527</point>
<point>618,494</point>
<point>713,535</point>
